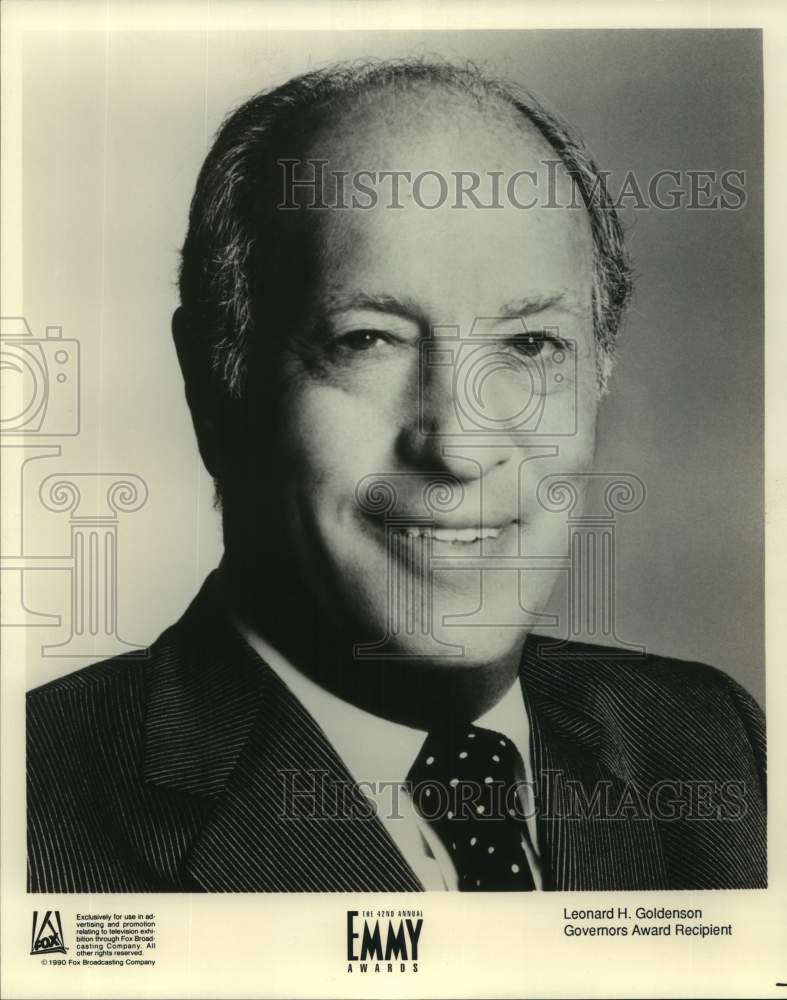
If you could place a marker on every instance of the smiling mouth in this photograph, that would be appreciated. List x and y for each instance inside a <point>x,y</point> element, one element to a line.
<point>457,536</point>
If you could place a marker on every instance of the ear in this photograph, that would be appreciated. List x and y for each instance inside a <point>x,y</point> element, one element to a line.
<point>199,392</point>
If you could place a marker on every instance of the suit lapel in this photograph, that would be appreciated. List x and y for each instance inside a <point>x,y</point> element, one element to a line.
<point>262,802</point>
<point>283,812</point>
<point>594,831</point>
<point>290,819</point>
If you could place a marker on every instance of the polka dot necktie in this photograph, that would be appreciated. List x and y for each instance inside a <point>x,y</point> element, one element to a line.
<point>464,784</point>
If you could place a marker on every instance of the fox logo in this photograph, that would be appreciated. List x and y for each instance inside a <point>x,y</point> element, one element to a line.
<point>47,934</point>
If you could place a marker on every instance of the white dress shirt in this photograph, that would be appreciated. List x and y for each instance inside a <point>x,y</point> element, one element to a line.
<point>379,753</point>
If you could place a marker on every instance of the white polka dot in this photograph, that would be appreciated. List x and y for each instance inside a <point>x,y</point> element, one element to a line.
<point>480,809</point>
<point>490,849</point>
<point>487,781</point>
<point>463,754</point>
<point>512,812</point>
<point>428,791</point>
<point>478,881</point>
<point>453,782</point>
<point>515,869</point>
<point>450,814</point>
<point>471,736</point>
<point>495,758</point>
<point>453,845</point>
<point>430,760</point>
<point>473,841</point>
<point>502,743</point>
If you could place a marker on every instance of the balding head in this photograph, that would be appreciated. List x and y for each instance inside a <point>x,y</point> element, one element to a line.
<point>232,238</point>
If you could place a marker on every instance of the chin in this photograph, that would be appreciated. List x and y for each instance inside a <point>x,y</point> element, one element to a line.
<point>481,646</point>
<point>454,648</point>
<point>460,628</point>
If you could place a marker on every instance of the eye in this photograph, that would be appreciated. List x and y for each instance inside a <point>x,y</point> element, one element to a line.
<point>361,340</point>
<point>535,342</point>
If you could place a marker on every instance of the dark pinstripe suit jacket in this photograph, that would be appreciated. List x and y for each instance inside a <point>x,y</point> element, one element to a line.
<point>166,774</point>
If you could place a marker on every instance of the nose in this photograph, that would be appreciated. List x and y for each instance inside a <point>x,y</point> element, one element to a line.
<point>439,433</point>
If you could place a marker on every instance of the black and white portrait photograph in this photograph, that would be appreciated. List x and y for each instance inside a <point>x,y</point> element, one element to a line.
<point>384,481</point>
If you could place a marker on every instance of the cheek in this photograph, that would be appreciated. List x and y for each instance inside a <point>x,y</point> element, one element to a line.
<point>581,447</point>
<point>577,453</point>
<point>574,454</point>
<point>333,439</point>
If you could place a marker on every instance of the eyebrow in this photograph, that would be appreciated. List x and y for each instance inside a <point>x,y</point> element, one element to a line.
<point>407,307</point>
<point>529,305</point>
<point>377,303</point>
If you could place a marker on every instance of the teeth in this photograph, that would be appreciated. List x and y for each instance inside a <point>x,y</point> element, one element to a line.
<point>454,534</point>
<point>463,534</point>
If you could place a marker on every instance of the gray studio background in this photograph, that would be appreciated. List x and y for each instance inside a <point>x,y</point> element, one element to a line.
<point>115,128</point>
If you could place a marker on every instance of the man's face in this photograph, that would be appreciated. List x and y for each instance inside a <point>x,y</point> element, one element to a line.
<point>377,403</point>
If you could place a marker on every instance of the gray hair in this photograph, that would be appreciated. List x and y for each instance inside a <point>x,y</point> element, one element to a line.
<point>220,258</point>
